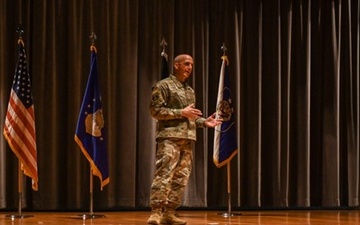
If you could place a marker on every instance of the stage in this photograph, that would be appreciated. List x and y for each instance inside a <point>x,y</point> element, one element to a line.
<point>271,217</point>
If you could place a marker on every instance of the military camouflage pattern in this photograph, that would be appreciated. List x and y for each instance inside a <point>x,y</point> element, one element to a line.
<point>175,136</point>
<point>173,168</point>
<point>169,96</point>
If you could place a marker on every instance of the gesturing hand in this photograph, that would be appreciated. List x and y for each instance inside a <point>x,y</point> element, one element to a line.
<point>211,121</point>
<point>191,112</point>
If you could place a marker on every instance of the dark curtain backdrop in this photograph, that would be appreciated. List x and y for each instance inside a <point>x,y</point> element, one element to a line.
<point>294,67</point>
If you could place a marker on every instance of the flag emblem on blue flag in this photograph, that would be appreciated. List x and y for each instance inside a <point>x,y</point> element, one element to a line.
<point>225,144</point>
<point>90,132</point>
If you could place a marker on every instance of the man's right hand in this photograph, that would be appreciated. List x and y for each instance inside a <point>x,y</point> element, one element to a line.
<point>191,112</point>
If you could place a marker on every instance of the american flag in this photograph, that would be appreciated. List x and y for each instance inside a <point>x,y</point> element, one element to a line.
<point>19,127</point>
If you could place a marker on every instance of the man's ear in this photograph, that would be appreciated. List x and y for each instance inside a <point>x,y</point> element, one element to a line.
<point>176,65</point>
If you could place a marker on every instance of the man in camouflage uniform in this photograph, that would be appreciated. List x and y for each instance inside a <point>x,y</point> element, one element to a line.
<point>173,106</point>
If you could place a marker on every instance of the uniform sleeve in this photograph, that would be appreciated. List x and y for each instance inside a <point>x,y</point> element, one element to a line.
<point>158,104</point>
<point>200,122</point>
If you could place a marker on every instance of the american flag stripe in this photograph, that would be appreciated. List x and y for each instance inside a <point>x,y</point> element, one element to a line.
<point>28,163</point>
<point>21,145</point>
<point>17,139</point>
<point>21,117</point>
<point>22,140</point>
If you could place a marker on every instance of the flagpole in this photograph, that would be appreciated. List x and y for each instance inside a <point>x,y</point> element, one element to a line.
<point>20,184</point>
<point>20,32</point>
<point>229,213</point>
<point>20,188</point>
<point>91,193</point>
<point>91,214</point>
<point>229,189</point>
<point>228,174</point>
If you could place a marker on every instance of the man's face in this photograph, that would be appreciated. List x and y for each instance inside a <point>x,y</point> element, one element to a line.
<point>184,68</point>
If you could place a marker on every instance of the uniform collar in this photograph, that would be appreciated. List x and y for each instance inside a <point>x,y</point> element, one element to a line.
<point>178,83</point>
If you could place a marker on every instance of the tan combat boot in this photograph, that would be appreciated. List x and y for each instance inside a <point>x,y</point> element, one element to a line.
<point>155,216</point>
<point>169,217</point>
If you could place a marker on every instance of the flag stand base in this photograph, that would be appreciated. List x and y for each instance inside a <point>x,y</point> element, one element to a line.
<point>91,216</point>
<point>21,216</point>
<point>20,189</point>
<point>229,213</point>
<point>226,215</point>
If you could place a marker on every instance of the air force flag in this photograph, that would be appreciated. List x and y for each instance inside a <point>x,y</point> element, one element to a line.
<point>225,144</point>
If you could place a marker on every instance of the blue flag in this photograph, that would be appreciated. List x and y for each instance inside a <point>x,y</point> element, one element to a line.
<point>225,144</point>
<point>90,132</point>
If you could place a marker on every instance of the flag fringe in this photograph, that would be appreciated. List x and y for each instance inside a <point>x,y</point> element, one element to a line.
<point>95,169</point>
<point>218,165</point>
<point>24,167</point>
<point>93,48</point>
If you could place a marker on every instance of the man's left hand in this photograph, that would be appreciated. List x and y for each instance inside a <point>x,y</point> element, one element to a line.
<point>211,121</point>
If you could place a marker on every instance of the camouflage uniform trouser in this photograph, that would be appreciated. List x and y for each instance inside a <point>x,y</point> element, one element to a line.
<point>173,168</point>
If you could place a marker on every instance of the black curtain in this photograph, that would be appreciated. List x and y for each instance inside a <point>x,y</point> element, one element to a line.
<point>294,68</point>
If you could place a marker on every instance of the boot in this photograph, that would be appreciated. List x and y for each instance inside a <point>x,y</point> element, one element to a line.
<point>169,217</point>
<point>155,217</point>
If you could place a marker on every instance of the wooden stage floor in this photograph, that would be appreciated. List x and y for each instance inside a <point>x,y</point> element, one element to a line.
<point>272,217</point>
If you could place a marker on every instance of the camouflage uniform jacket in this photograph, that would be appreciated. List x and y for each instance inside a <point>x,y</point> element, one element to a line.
<point>169,96</point>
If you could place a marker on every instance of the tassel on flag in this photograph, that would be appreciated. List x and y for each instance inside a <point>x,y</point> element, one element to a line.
<point>19,126</point>
<point>164,61</point>
<point>225,146</point>
<point>165,67</point>
<point>90,131</point>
